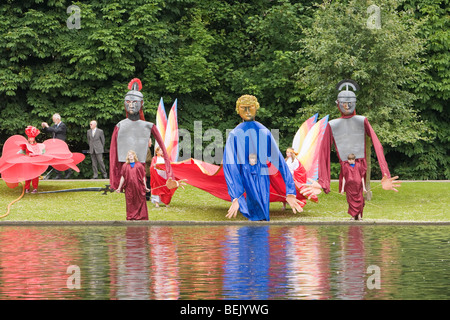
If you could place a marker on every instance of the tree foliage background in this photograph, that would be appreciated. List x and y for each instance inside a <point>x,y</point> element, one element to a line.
<point>206,54</point>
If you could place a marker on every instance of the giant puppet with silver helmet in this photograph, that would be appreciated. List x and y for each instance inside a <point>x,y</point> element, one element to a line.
<point>134,133</point>
<point>348,134</point>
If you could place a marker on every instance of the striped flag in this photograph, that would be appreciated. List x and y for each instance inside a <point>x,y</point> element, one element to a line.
<point>161,120</point>
<point>171,136</point>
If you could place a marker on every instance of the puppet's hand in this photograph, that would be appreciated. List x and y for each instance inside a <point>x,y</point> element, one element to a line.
<point>390,183</point>
<point>232,212</point>
<point>182,183</point>
<point>294,203</point>
<point>172,184</point>
<point>312,189</point>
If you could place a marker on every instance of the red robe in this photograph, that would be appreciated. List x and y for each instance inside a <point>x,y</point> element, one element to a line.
<point>135,191</point>
<point>157,183</point>
<point>325,149</point>
<point>353,186</point>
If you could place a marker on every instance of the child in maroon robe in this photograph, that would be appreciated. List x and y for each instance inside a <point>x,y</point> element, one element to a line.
<point>353,185</point>
<point>133,181</point>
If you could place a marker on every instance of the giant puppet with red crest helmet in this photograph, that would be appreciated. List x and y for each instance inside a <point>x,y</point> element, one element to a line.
<point>133,133</point>
<point>348,134</point>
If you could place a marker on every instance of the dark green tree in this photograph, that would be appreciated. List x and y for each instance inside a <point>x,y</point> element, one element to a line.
<point>430,159</point>
<point>208,53</point>
<point>381,55</point>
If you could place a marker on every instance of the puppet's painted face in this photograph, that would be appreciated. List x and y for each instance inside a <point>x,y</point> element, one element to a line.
<point>346,101</point>
<point>247,112</point>
<point>133,104</point>
<point>347,108</point>
<point>132,107</point>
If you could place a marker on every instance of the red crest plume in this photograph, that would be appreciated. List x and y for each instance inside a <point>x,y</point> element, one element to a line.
<point>32,132</point>
<point>133,83</point>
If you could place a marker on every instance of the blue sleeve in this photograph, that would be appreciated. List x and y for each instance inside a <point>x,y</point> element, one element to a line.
<point>231,169</point>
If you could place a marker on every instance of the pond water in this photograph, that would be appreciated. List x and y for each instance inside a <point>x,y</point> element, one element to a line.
<point>225,262</point>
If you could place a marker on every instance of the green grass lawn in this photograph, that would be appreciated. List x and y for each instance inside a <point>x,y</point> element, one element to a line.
<point>415,201</point>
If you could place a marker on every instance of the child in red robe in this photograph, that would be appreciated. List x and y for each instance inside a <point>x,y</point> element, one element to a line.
<point>133,181</point>
<point>353,185</point>
<point>32,133</point>
<point>158,179</point>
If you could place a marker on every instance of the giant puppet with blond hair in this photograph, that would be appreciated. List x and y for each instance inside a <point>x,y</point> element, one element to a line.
<point>133,133</point>
<point>250,158</point>
<point>348,134</point>
<point>253,171</point>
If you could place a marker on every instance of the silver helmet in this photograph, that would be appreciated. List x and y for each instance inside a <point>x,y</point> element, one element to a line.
<point>346,99</point>
<point>134,99</point>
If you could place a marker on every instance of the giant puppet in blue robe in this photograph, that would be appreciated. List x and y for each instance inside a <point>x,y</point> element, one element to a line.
<point>250,151</point>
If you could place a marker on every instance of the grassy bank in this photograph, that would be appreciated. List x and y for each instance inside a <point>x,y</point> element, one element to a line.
<point>416,201</point>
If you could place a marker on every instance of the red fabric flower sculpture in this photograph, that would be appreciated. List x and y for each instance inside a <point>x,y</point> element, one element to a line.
<point>23,161</point>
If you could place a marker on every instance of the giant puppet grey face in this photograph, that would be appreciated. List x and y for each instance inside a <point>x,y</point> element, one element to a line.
<point>134,100</point>
<point>346,98</point>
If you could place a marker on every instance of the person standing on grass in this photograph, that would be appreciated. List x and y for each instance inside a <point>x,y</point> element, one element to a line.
<point>96,141</point>
<point>132,180</point>
<point>159,192</point>
<point>58,131</point>
<point>353,185</point>
<point>37,149</point>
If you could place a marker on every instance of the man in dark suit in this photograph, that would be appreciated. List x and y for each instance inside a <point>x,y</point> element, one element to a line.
<point>96,141</point>
<point>58,131</point>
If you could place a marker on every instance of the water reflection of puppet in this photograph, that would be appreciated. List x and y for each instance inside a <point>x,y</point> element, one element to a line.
<point>348,134</point>
<point>248,138</point>
<point>133,133</point>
